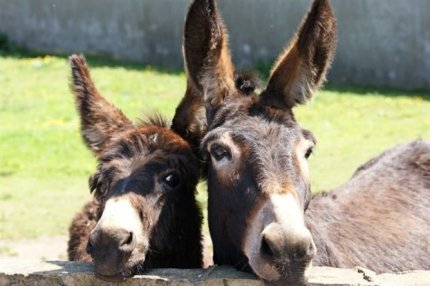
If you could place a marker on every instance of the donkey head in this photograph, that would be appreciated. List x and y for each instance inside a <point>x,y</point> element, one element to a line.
<point>258,179</point>
<point>145,182</point>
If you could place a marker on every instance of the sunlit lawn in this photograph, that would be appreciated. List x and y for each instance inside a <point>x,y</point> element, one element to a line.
<point>44,167</point>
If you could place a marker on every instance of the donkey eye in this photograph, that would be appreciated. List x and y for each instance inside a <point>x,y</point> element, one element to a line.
<point>171,180</point>
<point>219,152</point>
<point>309,152</point>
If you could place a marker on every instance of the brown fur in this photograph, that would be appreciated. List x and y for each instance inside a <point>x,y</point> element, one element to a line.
<point>205,33</point>
<point>375,218</point>
<point>82,225</point>
<point>301,68</point>
<point>379,218</point>
<point>190,118</point>
<point>134,161</point>
<point>102,119</point>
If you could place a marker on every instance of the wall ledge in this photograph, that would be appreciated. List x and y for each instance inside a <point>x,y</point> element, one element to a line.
<point>64,273</point>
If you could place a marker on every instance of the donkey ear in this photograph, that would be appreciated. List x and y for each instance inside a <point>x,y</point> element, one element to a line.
<point>100,120</point>
<point>302,68</point>
<point>207,57</point>
<point>190,117</point>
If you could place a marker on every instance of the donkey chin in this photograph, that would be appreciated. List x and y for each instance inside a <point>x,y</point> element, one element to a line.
<point>280,250</point>
<point>280,272</point>
<point>118,244</point>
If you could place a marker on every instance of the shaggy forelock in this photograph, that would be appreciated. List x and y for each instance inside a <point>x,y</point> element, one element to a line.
<point>154,120</point>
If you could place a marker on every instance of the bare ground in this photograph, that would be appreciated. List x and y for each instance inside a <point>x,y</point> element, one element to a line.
<point>42,248</point>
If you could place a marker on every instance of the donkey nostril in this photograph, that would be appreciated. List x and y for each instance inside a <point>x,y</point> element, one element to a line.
<point>127,245</point>
<point>299,253</point>
<point>128,240</point>
<point>266,248</point>
<point>92,242</point>
<point>89,248</point>
<point>303,252</point>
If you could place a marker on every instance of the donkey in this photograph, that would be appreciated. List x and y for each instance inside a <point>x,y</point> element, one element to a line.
<point>257,173</point>
<point>144,214</point>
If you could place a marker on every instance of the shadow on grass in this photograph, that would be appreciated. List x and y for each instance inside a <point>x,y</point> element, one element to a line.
<point>11,50</point>
<point>262,69</point>
<point>371,91</point>
<point>98,61</point>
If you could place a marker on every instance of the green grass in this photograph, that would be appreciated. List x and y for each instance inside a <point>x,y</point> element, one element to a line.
<point>44,166</point>
<point>352,125</point>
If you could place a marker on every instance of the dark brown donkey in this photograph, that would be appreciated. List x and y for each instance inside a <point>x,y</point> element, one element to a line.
<point>145,214</point>
<point>258,180</point>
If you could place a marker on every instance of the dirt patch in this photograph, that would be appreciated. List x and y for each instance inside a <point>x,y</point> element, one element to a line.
<point>42,248</point>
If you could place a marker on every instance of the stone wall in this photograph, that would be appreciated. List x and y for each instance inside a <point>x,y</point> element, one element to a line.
<point>381,42</point>
<point>62,273</point>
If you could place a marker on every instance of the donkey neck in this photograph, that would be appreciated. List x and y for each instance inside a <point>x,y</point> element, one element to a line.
<point>323,211</point>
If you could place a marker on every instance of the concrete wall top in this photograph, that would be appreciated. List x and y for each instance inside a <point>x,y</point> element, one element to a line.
<point>53,273</point>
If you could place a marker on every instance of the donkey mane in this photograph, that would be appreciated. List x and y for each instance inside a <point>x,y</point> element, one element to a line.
<point>247,82</point>
<point>153,119</point>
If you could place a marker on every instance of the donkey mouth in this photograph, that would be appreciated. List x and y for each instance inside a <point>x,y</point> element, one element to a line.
<point>289,282</point>
<point>292,274</point>
<point>286,273</point>
<point>112,278</point>
<point>122,275</point>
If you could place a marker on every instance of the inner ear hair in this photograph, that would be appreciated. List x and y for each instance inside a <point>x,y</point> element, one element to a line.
<point>100,120</point>
<point>302,67</point>
<point>207,57</point>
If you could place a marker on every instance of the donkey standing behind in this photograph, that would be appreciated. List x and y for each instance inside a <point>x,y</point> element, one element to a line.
<point>258,179</point>
<point>145,214</point>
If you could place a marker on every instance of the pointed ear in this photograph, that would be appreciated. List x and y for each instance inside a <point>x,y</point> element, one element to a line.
<point>100,120</point>
<point>190,117</point>
<point>207,57</point>
<point>302,68</point>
